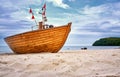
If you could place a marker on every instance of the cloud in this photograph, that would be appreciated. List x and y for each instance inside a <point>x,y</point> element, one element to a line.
<point>97,19</point>
<point>94,22</point>
<point>87,10</point>
<point>59,3</point>
<point>8,32</point>
<point>85,32</point>
<point>7,4</point>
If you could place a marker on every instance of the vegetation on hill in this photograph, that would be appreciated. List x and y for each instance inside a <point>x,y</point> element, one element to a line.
<point>111,41</point>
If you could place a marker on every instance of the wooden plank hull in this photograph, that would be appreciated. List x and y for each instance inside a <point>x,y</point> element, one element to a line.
<point>47,40</point>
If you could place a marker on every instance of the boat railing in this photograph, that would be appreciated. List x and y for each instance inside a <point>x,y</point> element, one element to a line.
<point>34,27</point>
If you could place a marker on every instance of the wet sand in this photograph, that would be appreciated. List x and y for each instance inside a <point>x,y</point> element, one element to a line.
<point>76,63</point>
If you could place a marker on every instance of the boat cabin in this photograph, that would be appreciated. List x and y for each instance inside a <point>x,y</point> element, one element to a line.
<point>46,26</point>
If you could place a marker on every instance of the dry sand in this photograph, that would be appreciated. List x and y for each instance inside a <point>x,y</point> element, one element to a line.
<point>82,63</point>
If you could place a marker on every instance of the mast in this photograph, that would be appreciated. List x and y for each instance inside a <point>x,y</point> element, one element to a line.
<point>44,18</point>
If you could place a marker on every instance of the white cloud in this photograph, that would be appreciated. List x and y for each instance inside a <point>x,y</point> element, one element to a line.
<point>85,32</point>
<point>9,32</point>
<point>116,31</point>
<point>59,3</point>
<point>18,4</point>
<point>117,13</point>
<point>3,20</point>
<point>93,10</point>
<point>96,21</point>
<point>2,27</point>
<point>6,4</point>
<point>20,15</point>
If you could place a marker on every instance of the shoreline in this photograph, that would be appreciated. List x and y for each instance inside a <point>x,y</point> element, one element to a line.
<point>6,49</point>
<point>70,63</point>
<point>67,50</point>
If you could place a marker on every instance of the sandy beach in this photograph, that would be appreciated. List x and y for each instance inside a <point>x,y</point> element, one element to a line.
<point>79,63</point>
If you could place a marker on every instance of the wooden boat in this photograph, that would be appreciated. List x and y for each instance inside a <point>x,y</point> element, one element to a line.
<point>45,40</point>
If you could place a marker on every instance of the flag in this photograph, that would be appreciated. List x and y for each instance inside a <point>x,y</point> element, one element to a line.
<point>43,13</point>
<point>30,11</point>
<point>33,17</point>
<point>44,7</point>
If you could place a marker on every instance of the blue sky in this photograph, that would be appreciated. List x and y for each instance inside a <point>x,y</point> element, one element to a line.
<point>91,19</point>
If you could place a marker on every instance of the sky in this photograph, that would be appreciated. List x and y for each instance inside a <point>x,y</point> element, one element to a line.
<point>91,19</point>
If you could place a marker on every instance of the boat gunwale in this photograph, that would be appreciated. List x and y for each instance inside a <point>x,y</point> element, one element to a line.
<point>35,31</point>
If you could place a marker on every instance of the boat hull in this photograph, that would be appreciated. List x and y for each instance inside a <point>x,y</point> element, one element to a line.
<point>47,40</point>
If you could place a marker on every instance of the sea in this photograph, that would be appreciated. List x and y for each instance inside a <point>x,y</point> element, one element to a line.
<point>6,49</point>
